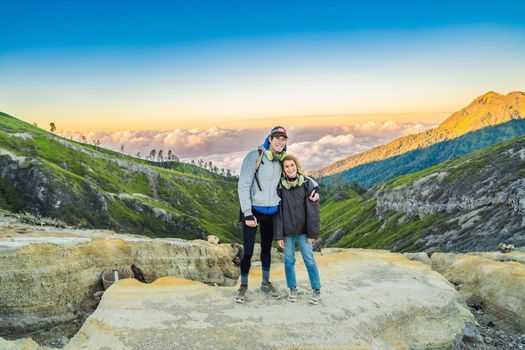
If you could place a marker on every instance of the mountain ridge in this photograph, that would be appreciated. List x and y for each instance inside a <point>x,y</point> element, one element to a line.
<point>474,116</point>
<point>88,186</point>
<point>470,203</point>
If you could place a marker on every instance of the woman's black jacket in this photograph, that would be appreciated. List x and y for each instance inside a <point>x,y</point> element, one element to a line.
<point>297,214</point>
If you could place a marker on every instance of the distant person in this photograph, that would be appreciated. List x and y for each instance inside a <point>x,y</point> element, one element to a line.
<point>298,220</point>
<point>258,180</point>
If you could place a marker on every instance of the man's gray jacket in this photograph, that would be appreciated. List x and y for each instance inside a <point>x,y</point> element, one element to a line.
<point>269,174</point>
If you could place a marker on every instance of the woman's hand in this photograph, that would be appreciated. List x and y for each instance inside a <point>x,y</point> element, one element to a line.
<point>311,240</point>
<point>280,242</point>
<point>314,197</point>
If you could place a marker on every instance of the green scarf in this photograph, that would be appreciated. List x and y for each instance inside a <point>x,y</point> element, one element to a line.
<point>271,156</point>
<point>299,181</point>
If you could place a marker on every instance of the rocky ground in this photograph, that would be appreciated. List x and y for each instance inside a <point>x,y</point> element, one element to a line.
<point>372,299</point>
<point>493,284</point>
<point>496,333</point>
<point>50,273</point>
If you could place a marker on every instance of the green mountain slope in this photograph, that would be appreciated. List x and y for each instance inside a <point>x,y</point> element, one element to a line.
<point>48,175</point>
<point>467,204</point>
<point>488,110</point>
<point>373,173</point>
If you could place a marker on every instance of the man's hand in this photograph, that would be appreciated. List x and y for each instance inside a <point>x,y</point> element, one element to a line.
<point>251,221</point>
<point>280,242</point>
<point>311,240</point>
<point>314,197</point>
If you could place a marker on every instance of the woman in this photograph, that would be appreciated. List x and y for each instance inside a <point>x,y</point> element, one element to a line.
<point>298,220</point>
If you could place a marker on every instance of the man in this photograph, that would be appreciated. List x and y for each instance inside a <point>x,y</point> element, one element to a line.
<point>258,180</point>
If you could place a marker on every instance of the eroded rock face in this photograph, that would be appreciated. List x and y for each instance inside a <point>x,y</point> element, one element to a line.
<point>481,199</point>
<point>427,196</point>
<point>370,300</point>
<point>516,256</point>
<point>421,257</point>
<point>482,279</point>
<point>20,344</point>
<point>49,277</point>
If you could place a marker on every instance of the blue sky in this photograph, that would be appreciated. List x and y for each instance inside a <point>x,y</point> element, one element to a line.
<point>44,25</point>
<point>163,65</point>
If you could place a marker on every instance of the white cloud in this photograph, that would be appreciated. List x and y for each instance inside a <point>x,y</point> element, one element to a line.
<point>373,128</point>
<point>232,161</point>
<point>226,148</point>
<point>344,141</point>
<point>184,143</point>
<point>329,148</point>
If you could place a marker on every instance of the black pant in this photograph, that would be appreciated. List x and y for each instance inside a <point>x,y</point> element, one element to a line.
<point>265,222</point>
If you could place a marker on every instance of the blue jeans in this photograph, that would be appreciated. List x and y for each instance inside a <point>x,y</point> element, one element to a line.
<point>308,257</point>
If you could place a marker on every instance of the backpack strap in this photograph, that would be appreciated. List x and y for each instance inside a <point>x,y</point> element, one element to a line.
<point>257,165</point>
<point>259,158</point>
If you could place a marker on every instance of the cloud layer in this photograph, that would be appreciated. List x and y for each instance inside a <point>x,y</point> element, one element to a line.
<point>315,146</point>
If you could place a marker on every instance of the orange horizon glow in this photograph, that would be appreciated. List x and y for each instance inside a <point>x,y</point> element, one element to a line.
<point>103,124</point>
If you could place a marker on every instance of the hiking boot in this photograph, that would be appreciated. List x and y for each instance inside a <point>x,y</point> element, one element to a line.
<point>292,295</point>
<point>267,288</point>
<point>316,296</point>
<point>239,297</point>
